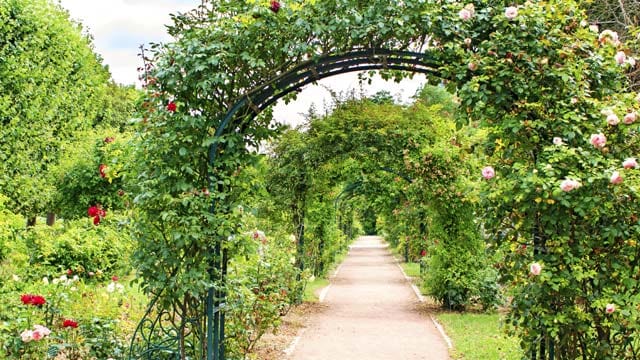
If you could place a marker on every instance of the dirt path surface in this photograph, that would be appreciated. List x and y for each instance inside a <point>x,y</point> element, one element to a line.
<point>371,314</point>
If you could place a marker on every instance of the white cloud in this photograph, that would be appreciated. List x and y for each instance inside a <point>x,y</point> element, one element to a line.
<point>119,27</point>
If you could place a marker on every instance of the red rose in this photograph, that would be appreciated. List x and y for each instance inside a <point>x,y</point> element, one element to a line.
<point>93,211</point>
<point>69,323</point>
<point>172,106</point>
<point>96,220</point>
<point>38,300</point>
<point>69,272</point>
<point>114,278</point>
<point>26,299</point>
<point>275,6</point>
<point>102,169</point>
<point>109,140</point>
<point>423,253</point>
<point>35,300</point>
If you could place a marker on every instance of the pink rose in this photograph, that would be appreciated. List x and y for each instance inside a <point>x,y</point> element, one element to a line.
<point>620,57</point>
<point>472,66</point>
<point>42,329</point>
<point>26,335</point>
<point>630,163</point>
<point>616,178</point>
<point>630,118</point>
<point>569,185</point>
<point>613,119</point>
<point>36,335</point>
<point>488,172</point>
<point>467,42</point>
<point>598,140</point>
<point>609,36</point>
<point>557,141</point>
<point>511,12</point>
<point>535,269</point>
<point>465,14</point>
<point>610,308</point>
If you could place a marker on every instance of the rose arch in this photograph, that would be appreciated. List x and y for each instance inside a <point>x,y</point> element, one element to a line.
<point>550,88</point>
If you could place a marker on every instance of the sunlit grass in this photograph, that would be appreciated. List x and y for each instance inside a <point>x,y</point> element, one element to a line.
<point>479,337</point>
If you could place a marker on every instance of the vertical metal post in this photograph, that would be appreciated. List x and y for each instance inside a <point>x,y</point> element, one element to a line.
<point>210,296</point>
<point>216,314</point>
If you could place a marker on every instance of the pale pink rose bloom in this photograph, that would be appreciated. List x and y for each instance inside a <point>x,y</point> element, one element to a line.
<point>472,66</point>
<point>569,185</point>
<point>467,42</point>
<point>574,100</point>
<point>610,308</point>
<point>26,335</point>
<point>557,141</point>
<point>511,12</point>
<point>42,329</point>
<point>616,178</point>
<point>631,61</point>
<point>488,172</point>
<point>620,57</point>
<point>610,37</point>
<point>37,335</point>
<point>613,119</point>
<point>465,14</point>
<point>606,112</point>
<point>535,269</point>
<point>630,118</point>
<point>630,163</point>
<point>598,140</point>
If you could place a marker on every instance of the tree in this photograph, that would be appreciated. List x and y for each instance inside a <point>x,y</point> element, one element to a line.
<point>51,85</point>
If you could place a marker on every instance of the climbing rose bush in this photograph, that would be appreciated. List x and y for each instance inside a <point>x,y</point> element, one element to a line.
<point>567,188</point>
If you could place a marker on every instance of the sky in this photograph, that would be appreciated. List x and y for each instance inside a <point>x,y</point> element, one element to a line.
<point>119,27</point>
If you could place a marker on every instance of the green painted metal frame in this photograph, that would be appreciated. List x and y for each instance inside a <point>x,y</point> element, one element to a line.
<point>153,326</point>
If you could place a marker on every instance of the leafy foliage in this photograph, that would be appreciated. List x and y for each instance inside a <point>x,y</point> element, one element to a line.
<point>52,85</point>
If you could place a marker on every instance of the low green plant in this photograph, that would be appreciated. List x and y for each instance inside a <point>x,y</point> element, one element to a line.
<point>479,337</point>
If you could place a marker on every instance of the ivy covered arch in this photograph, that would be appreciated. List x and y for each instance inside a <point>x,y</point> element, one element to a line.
<point>549,87</point>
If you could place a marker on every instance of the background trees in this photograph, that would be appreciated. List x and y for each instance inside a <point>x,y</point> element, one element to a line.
<point>54,88</point>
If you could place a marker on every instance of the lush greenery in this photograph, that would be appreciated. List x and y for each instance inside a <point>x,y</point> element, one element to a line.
<point>535,182</point>
<point>479,337</point>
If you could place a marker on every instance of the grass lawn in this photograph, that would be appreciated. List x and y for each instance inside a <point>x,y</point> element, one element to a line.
<point>479,337</point>
<point>313,289</point>
<point>411,269</point>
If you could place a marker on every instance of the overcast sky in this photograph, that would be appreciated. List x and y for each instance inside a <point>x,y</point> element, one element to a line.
<point>119,27</point>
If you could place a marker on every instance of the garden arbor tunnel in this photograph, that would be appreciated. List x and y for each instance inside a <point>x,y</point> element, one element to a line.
<point>531,72</point>
<point>259,99</point>
<point>247,108</point>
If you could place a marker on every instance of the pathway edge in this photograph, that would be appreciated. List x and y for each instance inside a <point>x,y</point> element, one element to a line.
<point>435,322</point>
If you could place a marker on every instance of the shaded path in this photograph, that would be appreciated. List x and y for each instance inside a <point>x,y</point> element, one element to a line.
<point>372,314</point>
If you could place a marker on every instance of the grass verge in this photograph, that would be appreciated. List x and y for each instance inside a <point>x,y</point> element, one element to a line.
<point>479,337</point>
<point>313,289</point>
<point>411,269</point>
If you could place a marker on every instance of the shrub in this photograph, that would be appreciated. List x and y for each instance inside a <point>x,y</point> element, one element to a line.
<point>81,247</point>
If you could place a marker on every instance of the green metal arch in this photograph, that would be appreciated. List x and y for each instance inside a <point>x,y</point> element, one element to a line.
<point>257,100</point>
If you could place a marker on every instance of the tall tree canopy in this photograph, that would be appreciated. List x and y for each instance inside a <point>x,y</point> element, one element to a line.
<point>52,84</point>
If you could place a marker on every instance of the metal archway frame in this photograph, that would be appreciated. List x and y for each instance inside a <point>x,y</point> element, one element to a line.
<point>257,100</point>
<point>260,98</point>
<point>146,345</point>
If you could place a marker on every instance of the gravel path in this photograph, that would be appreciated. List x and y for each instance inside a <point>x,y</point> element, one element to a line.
<point>372,314</point>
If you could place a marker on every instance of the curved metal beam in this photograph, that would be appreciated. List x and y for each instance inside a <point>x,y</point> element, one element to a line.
<point>258,99</point>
